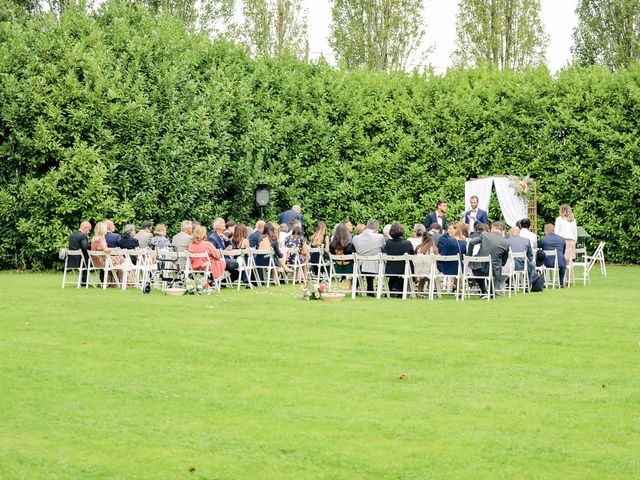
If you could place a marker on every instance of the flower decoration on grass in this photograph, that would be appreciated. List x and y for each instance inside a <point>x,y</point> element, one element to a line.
<point>313,291</point>
<point>198,286</point>
<point>525,188</point>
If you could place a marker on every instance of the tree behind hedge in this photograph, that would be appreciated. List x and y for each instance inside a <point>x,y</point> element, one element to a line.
<point>128,115</point>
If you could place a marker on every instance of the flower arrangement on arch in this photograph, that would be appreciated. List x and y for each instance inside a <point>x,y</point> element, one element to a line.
<point>525,188</point>
<point>313,291</point>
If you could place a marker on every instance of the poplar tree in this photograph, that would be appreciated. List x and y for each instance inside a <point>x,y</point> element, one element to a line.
<point>381,34</point>
<point>274,27</point>
<point>504,34</point>
<point>608,33</point>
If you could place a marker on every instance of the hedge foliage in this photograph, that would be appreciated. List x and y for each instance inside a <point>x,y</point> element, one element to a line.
<point>131,116</point>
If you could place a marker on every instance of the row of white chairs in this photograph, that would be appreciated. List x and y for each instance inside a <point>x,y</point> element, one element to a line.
<point>582,260</point>
<point>140,268</point>
<point>423,269</point>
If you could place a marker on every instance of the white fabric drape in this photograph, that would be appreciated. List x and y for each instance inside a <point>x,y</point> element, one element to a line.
<point>481,188</point>
<point>513,207</point>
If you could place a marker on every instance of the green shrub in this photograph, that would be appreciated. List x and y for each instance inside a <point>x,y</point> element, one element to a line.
<point>128,115</point>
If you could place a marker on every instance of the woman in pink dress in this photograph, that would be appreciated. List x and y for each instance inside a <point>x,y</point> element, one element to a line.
<point>200,244</point>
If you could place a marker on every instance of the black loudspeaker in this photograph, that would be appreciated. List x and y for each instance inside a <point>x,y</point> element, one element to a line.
<point>262,194</point>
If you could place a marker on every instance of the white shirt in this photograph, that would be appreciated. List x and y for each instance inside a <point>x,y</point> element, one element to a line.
<point>532,237</point>
<point>566,229</point>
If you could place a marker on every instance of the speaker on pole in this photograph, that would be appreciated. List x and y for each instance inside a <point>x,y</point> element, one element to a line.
<point>262,194</point>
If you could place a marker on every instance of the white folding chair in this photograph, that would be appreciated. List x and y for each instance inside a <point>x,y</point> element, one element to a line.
<point>96,266</point>
<point>471,263</point>
<point>138,268</point>
<point>76,257</point>
<point>297,266</point>
<point>579,262</point>
<point>383,286</point>
<point>318,270</point>
<point>270,269</point>
<point>368,262</point>
<point>519,277</point>
<point>116,269</point>
<point>203,272</point>
<point>551,274</point>
<point>424,269</point>
<point>599,257</point>
<point>590,262</point>
<point>443,283</point>
<point>339,277</point>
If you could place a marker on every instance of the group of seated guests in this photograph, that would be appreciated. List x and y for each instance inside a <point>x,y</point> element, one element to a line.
<point>459,239</point>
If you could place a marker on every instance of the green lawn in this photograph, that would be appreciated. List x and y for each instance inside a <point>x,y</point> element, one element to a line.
<point>260,385</point>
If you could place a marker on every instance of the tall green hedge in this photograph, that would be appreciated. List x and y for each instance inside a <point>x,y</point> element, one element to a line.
<point>131,116</point>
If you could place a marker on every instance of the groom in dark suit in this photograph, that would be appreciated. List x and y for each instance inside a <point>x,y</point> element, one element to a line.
<point>438,216</point>
<point>476,215</point>
<point>79,241</point>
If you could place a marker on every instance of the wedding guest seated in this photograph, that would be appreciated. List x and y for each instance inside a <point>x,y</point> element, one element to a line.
<point>361,227</point>
<point>269,241</point>
<point>229,229</point>
<point>396,245</point>
<point>449,245</point>
<point>386,231</point>
<point>341,245</point>
<point>199,244</point>
<point>144,236</point>
<point>182,240</point>
<point>160,239</point>
<point>369,243</point>
<point>294,242</point>
<point>128,240</point>
<point>553,241</point>
<point>79,241</point>
<point>99,243</point>
<point>436,232</point>
<point>416,234</point>
<point>113,238</point>
<point>427,247</point>
<point>221,242</point>
<point>319,238</point>
<point>240,237</point>
<point>525,225</point>
<point>256,236</point>
<point>492,244</point>
<point>519,244</point>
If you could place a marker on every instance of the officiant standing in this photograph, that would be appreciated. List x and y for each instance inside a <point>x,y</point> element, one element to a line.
<point>475,215</point>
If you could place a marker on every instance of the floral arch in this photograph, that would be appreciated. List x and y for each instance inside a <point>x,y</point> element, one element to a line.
<point>518,197</point>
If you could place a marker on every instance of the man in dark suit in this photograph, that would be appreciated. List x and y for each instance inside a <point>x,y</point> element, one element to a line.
<point>295,213</point>
<point>475,215</point>
<point>519,244</point>
<point>112,238</point>
<point>256,236</point>
<point>79,241</point>
<point>438,216</point>
<point>492,244</point>
<point>551,241</point>
<point>221,242</point>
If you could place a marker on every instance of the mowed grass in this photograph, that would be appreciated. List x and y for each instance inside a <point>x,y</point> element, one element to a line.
<point>261,385</point>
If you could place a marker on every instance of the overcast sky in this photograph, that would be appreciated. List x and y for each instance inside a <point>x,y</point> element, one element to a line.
<point>558,17</point>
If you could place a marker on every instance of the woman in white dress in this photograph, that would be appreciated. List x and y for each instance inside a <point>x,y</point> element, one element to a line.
<point>567,228</point>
